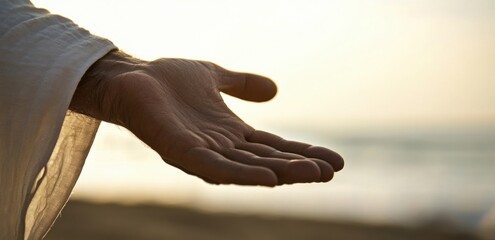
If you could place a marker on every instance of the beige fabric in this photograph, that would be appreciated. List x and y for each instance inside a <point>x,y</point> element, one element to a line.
<point>60,173</point>
<point>42,59</point>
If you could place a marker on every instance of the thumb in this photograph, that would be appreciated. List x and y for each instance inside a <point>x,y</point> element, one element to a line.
<point>247,86</point>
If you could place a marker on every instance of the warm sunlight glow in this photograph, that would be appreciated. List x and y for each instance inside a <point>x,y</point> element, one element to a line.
<point>344,62</point>
<point>405,90</point>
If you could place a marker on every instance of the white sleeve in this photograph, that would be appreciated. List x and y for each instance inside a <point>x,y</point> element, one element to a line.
<point>42,145</point>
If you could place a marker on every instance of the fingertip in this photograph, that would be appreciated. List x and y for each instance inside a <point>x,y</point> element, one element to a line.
<point>259,88</point>
<point>272,181</point>
<point>338,162</point>
<point>247,86</point>
<point>326,170</point>
<point>302,171</point>
<point>263,177</point>
<point>327,155</point>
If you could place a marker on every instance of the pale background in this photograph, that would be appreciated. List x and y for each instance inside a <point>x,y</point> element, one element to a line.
<point>405,90</point>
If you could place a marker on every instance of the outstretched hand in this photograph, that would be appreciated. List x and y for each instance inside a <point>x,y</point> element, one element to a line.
<point>175,106</point>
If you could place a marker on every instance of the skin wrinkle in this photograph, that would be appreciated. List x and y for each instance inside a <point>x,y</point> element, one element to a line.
<point>243,84</point>
<point>191,151</point>
<point>169,149</point>
<point>230,135</point>
<point>180,98</point>
<point>230,152</point>
<point>224,141</point>
<point>204,178</point>
<point>175,106</point>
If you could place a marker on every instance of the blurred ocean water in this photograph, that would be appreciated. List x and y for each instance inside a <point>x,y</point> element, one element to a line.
<point>424,177</point>
<point>443,179</point>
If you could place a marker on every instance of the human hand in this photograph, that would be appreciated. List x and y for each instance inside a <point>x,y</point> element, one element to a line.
<point>175,106</point>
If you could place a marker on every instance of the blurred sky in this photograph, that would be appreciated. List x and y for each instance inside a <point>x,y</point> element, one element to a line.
<point>338,64</point>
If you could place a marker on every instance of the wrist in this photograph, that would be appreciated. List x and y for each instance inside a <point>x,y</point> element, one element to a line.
<point>91,90</point>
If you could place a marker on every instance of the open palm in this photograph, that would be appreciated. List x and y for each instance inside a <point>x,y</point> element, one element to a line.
<point>175,106</point>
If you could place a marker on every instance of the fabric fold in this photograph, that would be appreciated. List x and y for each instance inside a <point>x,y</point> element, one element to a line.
<point>42,59</point>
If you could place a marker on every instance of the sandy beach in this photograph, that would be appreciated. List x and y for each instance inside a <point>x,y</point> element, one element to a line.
<point>85,220</point>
